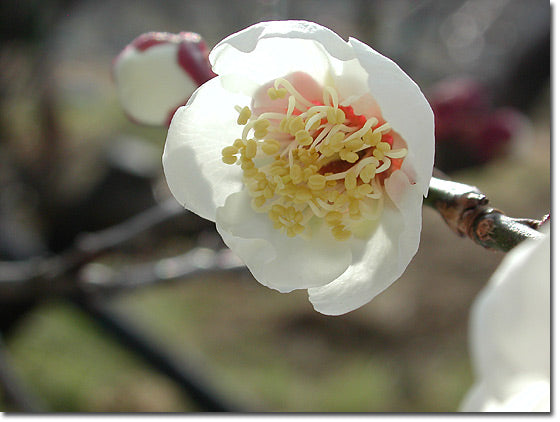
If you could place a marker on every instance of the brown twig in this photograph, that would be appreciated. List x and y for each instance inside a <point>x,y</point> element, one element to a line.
<point>467,212</point>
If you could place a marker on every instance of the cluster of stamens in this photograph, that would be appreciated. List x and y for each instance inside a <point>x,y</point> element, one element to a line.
<point>314,161</point>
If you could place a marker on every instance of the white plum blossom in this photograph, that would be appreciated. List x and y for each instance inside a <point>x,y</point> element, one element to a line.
<point>510,334</point>
<point>312,154</point>
<point>157,72</point>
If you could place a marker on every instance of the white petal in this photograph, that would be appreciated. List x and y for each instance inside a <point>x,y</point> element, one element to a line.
<point>404,106</point>
<point>381,260</point>
<point>510,320</point>
<point>192,159</point>
<point>524,396</point>
<point>273,258</point>
<point>279,48</point>
<point>151,84</point>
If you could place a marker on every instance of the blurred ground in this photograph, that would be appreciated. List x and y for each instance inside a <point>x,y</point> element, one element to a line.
<point>406,351</point>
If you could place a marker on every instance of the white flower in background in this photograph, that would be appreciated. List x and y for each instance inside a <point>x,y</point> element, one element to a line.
<point>510,334</point>
<point>157,72</point>
<point>312,155</point>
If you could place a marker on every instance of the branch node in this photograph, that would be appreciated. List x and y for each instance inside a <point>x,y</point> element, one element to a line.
<point>466,211</point>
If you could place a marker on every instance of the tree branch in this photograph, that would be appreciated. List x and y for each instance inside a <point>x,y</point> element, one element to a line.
<point>467,212</point>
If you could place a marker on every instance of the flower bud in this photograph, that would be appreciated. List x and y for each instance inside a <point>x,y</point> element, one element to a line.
<point>157,72</point>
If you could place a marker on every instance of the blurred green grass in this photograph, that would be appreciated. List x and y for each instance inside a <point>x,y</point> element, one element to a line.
<point>265,350</point>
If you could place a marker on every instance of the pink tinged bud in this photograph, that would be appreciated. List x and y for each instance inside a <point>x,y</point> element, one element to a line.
<point>469,130</point>
<point>157,72</point>
<point>456,104</point>
<point>193,57</point>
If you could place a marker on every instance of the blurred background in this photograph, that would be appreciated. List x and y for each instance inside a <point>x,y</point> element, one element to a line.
<point>71,163</point>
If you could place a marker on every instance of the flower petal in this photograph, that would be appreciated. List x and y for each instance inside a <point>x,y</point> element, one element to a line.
<point>380,260</point>
<point>526,395</point>
<point>279,48</point>
<point>195,173</point>
<point>274,259</point>
<point>510,319</point>
<point>404,106</point>
<point>151,84</point>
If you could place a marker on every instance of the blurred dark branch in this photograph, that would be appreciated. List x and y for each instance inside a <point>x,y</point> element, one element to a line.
<point>186,376</point>
<point>99,279</point>
<point>467,212</point>
<point>464,208</point>
<point>90,245</point>
<point>41,275</point>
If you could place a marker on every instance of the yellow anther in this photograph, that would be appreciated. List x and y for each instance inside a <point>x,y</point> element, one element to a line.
<point>281,92</point>
<point>270,146</point>
<point>272,93</point>
<point>303,194</point>
<point>331,184</point>
<point>315,125</point>
<point>332,195</point>
<point>278,170</point>
<point>349,156</point>
<point>247,163</point>
<point>259,201</point>
<point>341,233</point>
<point>229,159</point>
<point>340,116</point>
<point>341,201</point>
<point>333,218</point>
<point>354,208</point>
<point>261,124</point>
<point>290,213</point>
<point>260,134</point>
<point>364,189</point>
<point>250,173</point>
<point>332,115</point>
<point>284,125</point>
<point>378,154</point>
<point>261,128</point>
<point>296,124</point>
<point>244,116</point>
<point>308,156</point>
<point>368,173</point>
<point>251,148</point>
<point>317,182</point>
<point>238,143</point>
<point>371,138</point>
<point>268,192</point>
<point>326,150</point>
<point>350,181</point>
<point>296,174</point>
<point>303,137</point>
<point>354,144</point>
<point>278,209</point>
<point>294,230</point>
<point>335,141</point>
<point>384,147</point>
<point>231,150</point>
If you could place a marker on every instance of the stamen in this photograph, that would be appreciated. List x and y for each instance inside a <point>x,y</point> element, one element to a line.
<point>290,88</point>
<point>244,116</point>
<point>319,162</point>
<point>333,94</point>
